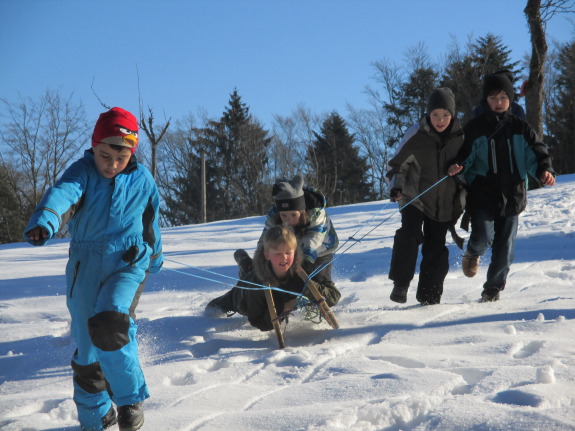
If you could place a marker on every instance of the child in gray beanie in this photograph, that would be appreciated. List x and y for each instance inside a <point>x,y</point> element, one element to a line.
<point>421,160</point>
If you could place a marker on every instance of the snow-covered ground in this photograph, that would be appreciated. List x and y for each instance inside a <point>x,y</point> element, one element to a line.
<point>460,365</point>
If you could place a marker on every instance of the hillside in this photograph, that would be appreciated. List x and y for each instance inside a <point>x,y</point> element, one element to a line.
<point>460,365</point>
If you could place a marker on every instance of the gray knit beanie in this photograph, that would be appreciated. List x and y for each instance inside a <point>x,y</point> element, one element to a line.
<point>288,195</point>
<point>442,98</point>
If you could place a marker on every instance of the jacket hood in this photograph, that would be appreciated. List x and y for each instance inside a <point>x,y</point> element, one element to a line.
<point>263,268</point>
<point>314,198</point>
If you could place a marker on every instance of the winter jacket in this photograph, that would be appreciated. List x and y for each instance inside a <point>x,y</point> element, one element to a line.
<point>421,160</point>
<point>112,215</point>
<point>498,153</point>
<point>252,302</point>
<point>318,237</point>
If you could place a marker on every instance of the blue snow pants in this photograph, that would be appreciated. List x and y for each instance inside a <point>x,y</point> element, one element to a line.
<point>497,232</point>
<point>102,293</point>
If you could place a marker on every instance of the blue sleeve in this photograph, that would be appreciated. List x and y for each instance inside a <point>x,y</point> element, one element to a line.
<point>152,234</point>
<point>58,203</point>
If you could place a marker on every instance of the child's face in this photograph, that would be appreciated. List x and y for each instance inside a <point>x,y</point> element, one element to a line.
<point>290,218</point>
<point>281,259</point>
<point>110,162</point>
<point>440,119</point>
<point>499,102</point>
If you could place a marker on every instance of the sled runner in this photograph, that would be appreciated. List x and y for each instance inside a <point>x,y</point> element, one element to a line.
<point>274,317</point>
<point>320,300</point>
<point>324,309</point>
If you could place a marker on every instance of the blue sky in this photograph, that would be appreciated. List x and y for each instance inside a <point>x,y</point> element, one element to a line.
<point>192,54</point>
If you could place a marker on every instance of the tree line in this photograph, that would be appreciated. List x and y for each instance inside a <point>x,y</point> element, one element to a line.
<point>343,156</point>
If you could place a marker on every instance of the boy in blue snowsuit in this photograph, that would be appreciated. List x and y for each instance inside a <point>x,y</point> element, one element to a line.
<point>110,203</point>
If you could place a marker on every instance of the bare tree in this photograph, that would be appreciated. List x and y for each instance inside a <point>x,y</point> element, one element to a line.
<point>154,135</point>
<point>42,137</point>
<point>370,131</point>
<point>291,137</point>
<point>538,13</point>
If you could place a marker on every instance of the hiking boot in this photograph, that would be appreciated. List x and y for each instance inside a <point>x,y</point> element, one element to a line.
<point>399,293</point>
<point>490,294</point>
<point>244,262</point>
<point>131,418</point>
<point>470,264</point>
<point>224,304</point>
<point>108,420</point>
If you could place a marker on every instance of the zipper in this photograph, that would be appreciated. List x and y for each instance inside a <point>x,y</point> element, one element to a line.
<point>76,268</point>
<point>493,156</point>
<point>510,155</point>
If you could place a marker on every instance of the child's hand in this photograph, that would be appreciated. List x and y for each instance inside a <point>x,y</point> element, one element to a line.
<point>37,234</point>
<point>547,178</point>
<point>454,170</point>
<point>395,195</point>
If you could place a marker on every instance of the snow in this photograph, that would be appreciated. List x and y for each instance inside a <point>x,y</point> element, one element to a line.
<point>459,365</point>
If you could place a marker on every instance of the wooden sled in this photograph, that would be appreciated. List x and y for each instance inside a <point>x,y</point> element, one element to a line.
<point>324,309</point>
<point>274,317</point>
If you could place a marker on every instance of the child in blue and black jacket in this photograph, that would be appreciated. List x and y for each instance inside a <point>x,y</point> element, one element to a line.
<point>498,153</point>
<point>111,205</point>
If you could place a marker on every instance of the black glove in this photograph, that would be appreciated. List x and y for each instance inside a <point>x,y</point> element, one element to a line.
<point>394,194</point>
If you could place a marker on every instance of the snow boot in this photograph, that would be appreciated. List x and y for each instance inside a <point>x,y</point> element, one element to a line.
<point>399,293</point>
<point>131,418</point>
<point>244,262</point>
<point>470,264</point>
<point>490,294</point>
<point>108,420</point>
<point>224,304</point>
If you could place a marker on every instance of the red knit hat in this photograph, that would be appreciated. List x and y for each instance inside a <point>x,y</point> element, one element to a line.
<point>116,127</point>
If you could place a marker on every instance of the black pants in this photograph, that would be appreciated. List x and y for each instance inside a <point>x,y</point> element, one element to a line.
<point>418,229</point>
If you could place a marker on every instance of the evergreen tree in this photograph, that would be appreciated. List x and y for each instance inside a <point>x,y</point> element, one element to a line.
<point>12,216</point>
<point>240,146</point>
<point>340,172</point>
<point>561,111</point>
<point>411,99</point>
<point>464,72</point>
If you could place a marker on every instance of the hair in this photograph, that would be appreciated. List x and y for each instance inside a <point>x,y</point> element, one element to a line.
<point>496,91</point>
<point>279,235</point>
<point>303,219</point>
<point>119,148</point>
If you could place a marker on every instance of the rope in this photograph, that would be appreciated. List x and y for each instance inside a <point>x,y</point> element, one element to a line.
<point>257,286</point>
<point>315,271</point>
<point>321,267</point>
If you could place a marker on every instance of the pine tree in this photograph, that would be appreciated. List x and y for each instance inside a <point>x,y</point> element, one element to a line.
<point>411,100</point>
<point>561,111</point>
<point>240,146</point>
<point>340,172</point>
<point>12,221</point>
<point>464,72</point>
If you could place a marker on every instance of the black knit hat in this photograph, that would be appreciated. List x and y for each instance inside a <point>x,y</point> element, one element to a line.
<point>499,81</point>
<point>442,98</point>
<point>288,195</point>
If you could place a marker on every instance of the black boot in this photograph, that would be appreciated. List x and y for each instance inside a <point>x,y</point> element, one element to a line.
<point>108,420</point>
<point>399,293</point>
<point>490,294</point>
<point>224,303</point>
<point>244,262</point>
<point>131,418</point>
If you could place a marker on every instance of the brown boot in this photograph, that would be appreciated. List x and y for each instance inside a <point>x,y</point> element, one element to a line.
<point>470,264</point>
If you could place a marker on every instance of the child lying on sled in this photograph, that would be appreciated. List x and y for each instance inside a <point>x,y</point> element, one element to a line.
<point>273,265</point>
